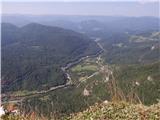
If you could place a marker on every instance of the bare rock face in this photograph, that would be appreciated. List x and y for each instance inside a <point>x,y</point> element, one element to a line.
<point>86,92</point>
<point>149,78</point>
<point>137,83</point>
<point>105,102</point>
<point>107,79</point>
<point>2,112</point>
<point>153,47</point>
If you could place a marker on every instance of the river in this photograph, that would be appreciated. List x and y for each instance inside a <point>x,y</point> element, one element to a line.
<point>68,77</point>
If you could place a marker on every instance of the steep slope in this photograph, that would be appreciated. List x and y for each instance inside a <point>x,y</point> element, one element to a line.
<point>9,34</point>
<point>35,53</point>
<point>105,111</point>
<point>144,80</point>
<point>132,49</point>
<point>118,111</point>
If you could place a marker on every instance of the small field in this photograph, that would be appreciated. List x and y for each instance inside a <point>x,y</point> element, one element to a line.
<point>85,70</point>
<point>80,68</point>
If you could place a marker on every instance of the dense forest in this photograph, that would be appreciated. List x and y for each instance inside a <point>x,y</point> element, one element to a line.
<point>132,77</point>
<point>35,54</point>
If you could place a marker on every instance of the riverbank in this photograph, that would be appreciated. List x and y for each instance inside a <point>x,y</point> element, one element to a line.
<point>19,98</point>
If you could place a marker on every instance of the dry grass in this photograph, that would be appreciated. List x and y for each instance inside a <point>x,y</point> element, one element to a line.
<point>118,111</point>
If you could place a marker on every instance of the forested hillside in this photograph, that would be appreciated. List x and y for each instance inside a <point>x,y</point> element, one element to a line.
<point>118,60</point>
<point>32,56</point>
<point>132,48</point>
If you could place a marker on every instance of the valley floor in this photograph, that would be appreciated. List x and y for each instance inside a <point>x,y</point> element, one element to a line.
<point>95,81</point>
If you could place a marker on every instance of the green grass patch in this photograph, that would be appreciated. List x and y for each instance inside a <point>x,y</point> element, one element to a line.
<point>80,68</point>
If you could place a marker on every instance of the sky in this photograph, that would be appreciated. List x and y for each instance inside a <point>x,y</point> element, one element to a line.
<point>82,7</point>
<point>78,0</point>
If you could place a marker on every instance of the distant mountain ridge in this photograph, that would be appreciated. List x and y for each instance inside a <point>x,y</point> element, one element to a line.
<point>87,24</point>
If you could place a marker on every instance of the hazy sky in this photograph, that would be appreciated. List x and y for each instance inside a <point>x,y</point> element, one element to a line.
<point>80,0</point>
<point>74,7</point>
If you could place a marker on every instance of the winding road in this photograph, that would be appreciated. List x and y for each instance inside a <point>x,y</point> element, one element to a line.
<point>20,98</point>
